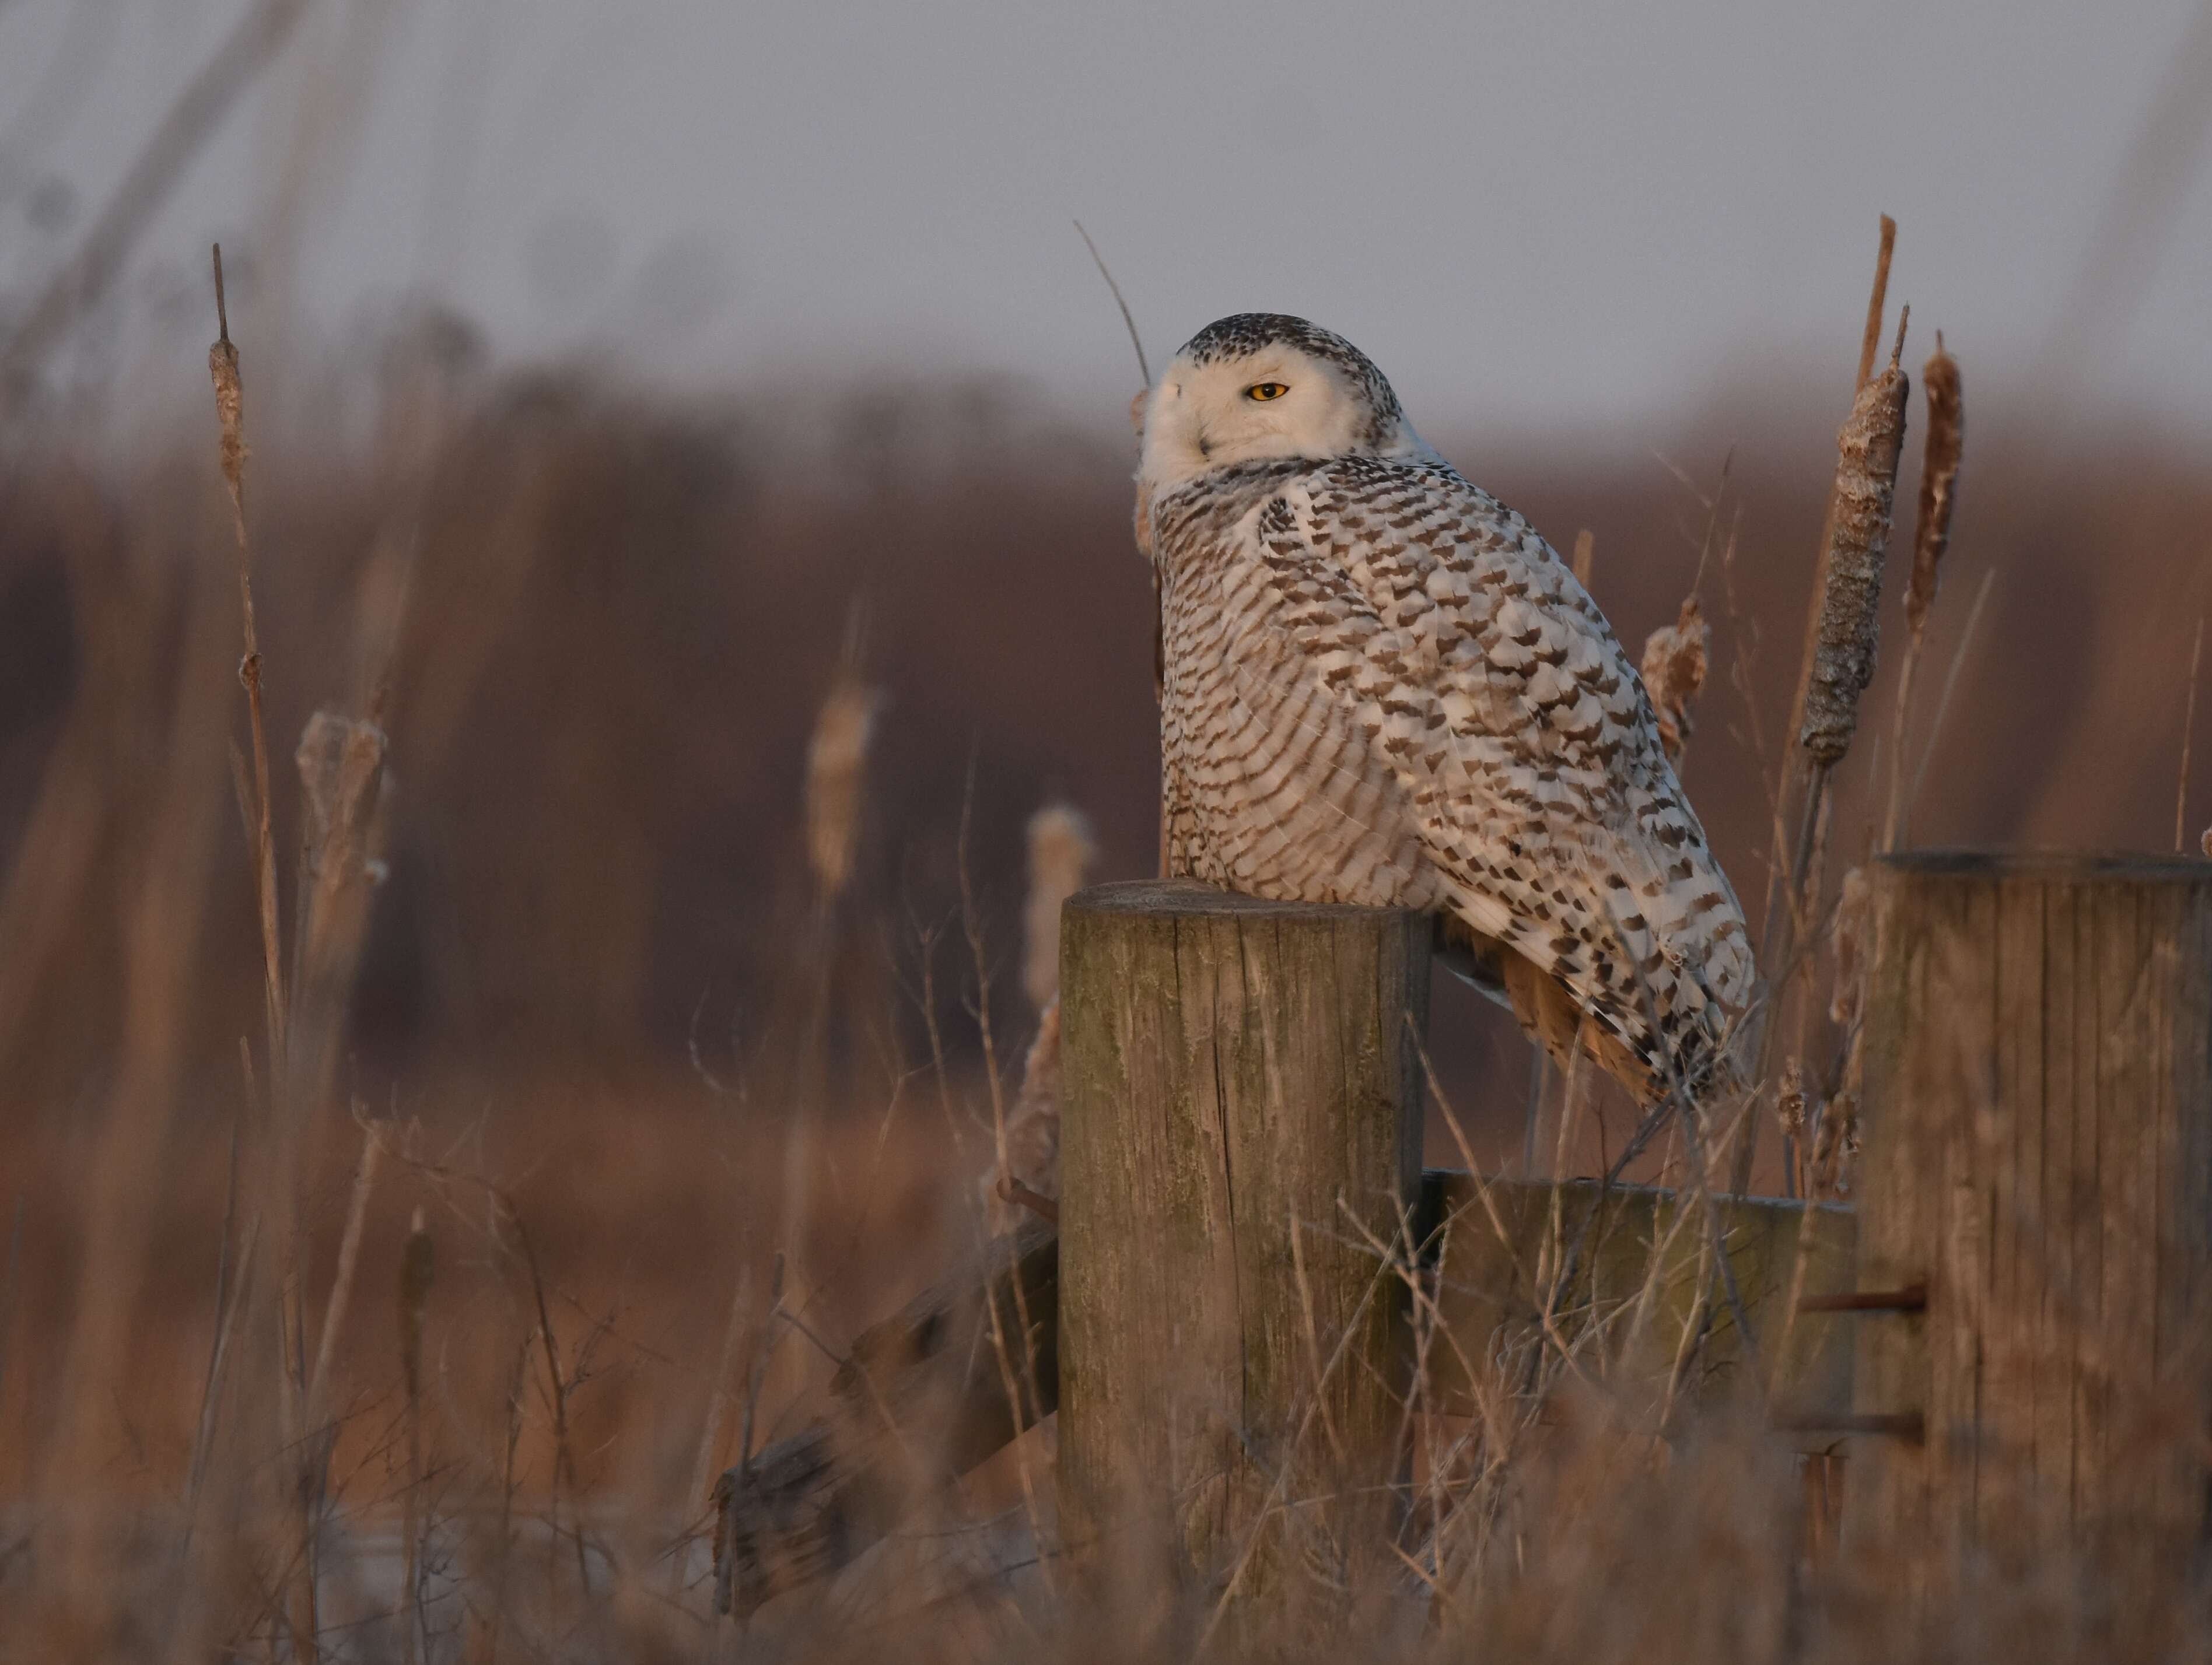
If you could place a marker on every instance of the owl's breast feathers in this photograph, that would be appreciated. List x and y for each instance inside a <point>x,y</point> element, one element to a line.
<point>1381,685</point>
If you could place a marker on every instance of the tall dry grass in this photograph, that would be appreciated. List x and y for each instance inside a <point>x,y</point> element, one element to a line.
<point>417,1336</point>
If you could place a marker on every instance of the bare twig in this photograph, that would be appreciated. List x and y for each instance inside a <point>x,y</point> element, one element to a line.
<point>1144,370</point>
<point>1950,686</point>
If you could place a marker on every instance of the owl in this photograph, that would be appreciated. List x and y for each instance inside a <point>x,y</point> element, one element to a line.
<point>1379,685</point>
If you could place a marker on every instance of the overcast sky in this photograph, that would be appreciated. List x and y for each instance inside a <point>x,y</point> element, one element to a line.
<point>1543,215</point>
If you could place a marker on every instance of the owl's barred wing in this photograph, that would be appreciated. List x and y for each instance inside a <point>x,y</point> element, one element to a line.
<point>1522,736</point>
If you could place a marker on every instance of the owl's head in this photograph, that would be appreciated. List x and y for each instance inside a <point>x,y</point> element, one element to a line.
<point>1262,384</point>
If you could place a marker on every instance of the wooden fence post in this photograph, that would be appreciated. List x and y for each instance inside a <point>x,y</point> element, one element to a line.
<point>1241,1121</point>
<point>2039,1153</point>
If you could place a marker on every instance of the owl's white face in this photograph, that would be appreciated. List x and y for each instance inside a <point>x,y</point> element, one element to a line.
<point>1258,386</point>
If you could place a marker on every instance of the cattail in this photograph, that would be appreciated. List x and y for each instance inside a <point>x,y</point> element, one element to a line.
<point>1938,481</point>
<point>229,395</point>
<point>1858,541</point>
<point>834,765</point>
<point>341,763</point>
<point>2205,843</point>
<point>1931,539</point>
<point>1585,554</point>
<point>1061,851</point>
<point>1673,671</point>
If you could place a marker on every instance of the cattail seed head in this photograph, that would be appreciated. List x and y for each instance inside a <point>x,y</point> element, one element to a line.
<point>1938,481</point>
<point>1062,850</point>
<point>1673,670</point>
<point>834,762</point>
<point>1858,541</point>
<point>230,412</point>
<point>2205,843</point>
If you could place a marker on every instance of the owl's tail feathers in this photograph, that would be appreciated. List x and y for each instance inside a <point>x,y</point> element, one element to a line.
<point>1550,1014</point>
<point>1618,1038</point>
<point>1545,1008</point>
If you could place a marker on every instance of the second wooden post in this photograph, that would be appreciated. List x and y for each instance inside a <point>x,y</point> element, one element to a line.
<point>1242,1134</point>
<point>2039,1181</point>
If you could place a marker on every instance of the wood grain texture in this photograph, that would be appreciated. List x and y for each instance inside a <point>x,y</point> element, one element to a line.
<point>2039,1146</point>
<point>1241,1111</point>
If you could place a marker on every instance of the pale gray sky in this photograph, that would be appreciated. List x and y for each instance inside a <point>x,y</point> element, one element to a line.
<point>1535,214</point>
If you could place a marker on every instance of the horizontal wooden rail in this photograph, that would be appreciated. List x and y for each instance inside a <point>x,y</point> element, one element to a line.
<point>922,1397</point>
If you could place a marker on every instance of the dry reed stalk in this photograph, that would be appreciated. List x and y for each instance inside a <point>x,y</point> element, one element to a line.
<point>564,1461</point>
<point>2188,733</point>
<point>417,1268</point>
<point>1950,687</point>
<point>721,1394</point>
<point>168,839</point>
<point>1061,851</point>
<point>2204,841</point>
<point>281,1163</point>
<point>971,921</point>
<point>1931,539</point>
<point>334,1311</point>
<point>230,413</point>
<point>1585,554</point>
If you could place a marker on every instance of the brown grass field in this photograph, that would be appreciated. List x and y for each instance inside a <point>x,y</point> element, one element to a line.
<point>614,1006</point>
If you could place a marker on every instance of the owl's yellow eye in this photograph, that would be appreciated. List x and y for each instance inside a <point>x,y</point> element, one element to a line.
<point>1266,390</point>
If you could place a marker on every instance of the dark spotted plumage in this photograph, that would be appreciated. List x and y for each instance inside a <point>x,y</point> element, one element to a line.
<point>1381,686</point>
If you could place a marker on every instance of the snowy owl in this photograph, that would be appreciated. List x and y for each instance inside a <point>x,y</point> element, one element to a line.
<point>1379,685</point>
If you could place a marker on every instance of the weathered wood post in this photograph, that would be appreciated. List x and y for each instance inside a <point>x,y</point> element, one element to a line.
<point>2038,1154</point>
<point>1241,1117</point>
